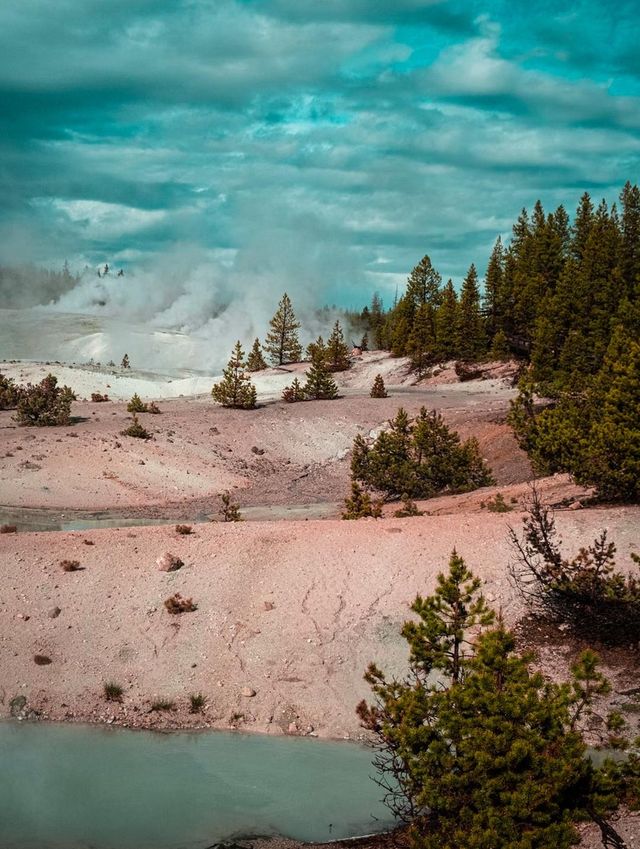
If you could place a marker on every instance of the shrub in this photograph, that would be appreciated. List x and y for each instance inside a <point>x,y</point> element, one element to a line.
<point>125,362</point>
<point>70,565</point>
<point>360,505</point>
<point>379,390</point>
<point>8,529</point>
<point>587,591</point>
<point>419,459</point>
<point>45,404</point>
<point>294,392</point>
<point>197,702</point>
<point>409,508</point>
<point>153,408</point>
<point>136,430</point>
<point>135,405</point>
<point>162,704</point>
<point>498,504</point>
<point>112,691</point>
<point>97,398</point>
<point>229,511</point>
<point>184,530</point>
<point>10,393</point>
<point>176,604</point>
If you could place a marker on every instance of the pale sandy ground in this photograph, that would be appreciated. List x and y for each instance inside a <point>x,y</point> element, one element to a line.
<point>291,610</point>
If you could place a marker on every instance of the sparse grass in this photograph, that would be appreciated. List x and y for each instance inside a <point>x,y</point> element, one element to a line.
<point>136,430</point>
<point>184,530</point>
<point>162,704</point>
<point>8,529</point>
<point>176,604</point>
<point>112,691</point>
<point>70,565</point>
<point>197,702</point>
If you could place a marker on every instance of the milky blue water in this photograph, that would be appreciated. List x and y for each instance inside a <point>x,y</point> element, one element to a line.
<point>77,786</point>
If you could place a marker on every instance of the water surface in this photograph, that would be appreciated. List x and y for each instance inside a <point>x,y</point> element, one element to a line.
<point>77,786</point>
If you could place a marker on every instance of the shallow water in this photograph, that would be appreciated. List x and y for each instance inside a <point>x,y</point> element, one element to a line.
<point>77,786</point>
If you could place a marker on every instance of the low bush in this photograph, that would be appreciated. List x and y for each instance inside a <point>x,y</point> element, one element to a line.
<point>497,504</point>
<point>409,508</point>
<point>136,430</point>
<point>184,530</point>
<point>10,393</point>
<point>97,398</point>
<point>153,408</point>
<point>176,604</point>
<point>229,511</point>
<point>70,565</point>
<point>197,702</point>
<point>112,691</point>
<point>44,404</point>
<point>587,591</point>
<point>8,529</point>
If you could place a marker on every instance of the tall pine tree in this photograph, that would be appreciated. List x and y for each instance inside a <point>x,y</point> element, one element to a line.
<point>235,389</point>
<point>282,343</point>
<point>471,341</point>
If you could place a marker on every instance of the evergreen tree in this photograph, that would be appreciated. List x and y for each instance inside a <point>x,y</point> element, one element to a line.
<point>293,393</point>
<point>320,386</point>
<point>423,285</point>
<point>378,390</point>
<point>500,347</point>
<point>377,321</point>
<point>447,324</point>
<point>471,341</point>
<point>364,343</point>
<point>582,226</point>
<point>421,343</point>
<point>337,355</point>
<point>255,360</point>
<point>493,284</point>
<point>317,349</point>
<point>630,247</point>
<point>474,748</point>
<point>235,389</point>
<point>399,324</point>
<point>360,505</point>
<point>282,343</point>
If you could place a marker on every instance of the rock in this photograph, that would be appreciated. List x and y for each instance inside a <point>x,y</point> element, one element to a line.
<point>17,706</point>
<point>293,728</point>
<point>248,692</point>
<point>258,451</point>
<point>575,505</point>
<point>169,562</point>
<point>54,613</point>
<point>268,605</point>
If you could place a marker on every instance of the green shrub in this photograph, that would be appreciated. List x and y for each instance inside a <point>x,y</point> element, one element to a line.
<point>497,504</point>
<point>45,404</point>
<point>378,390</point>
<point>10,393</point>
<point>409,508</point>
<point>419,459</point>
<point>197,702</point>
<point>136,405</point>
<point>293,393</point>
<point>229,511</point>
<point>136,430</point>
<point>360,505</point>
<point>112,691</point>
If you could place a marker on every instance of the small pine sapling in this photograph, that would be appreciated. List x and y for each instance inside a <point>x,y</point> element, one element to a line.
<point>379,390</point>
<point>294,392</point>
<point>136,430</point>
<point>255,360</point>
<point>136,405</point>
<point>360,505</point>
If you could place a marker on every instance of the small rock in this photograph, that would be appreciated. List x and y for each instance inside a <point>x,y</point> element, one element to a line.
<point>54,613</point>
<point>256,450</point>
<point>169,562</point>
<point>293,728</point>
<point>17,706</point>
<point>268,605</point>
<point>575,505</point>
<point>248,692</point>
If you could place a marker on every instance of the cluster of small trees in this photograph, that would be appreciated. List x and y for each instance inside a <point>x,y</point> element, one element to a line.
<point>38,405</point>
<point>474,748</point>
<point>418,458</point>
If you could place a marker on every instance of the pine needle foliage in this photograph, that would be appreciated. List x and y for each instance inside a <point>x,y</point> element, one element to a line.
<point>136,405</point>
<point>282,343</point>
<point>294,392</point>
<point>378,389</point>
<point>475,749</point>
<point>360,505</point>
<point>235,389</point>
<point>320,386</point>
<point>44,404</point>
<point>136,430</point>
<point>419,459</point>
<point>255,360</point>
<point>337,353</point>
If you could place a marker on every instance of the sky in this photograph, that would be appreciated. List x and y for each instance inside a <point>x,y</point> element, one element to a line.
<point>328,142</point>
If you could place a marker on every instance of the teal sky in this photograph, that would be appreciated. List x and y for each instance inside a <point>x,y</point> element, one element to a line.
<point>333,142</point>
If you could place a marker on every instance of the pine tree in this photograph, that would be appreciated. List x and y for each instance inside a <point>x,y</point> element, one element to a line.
<point>471,341</point>
<point>282,343</point>
<point>493,284</point>
<point>475,749</point>
<point>125,362</point>
<point>364,343</point>
<point>337,356</point>
<point>630,247</point>
<point>320,386</point>
<point>447,324</point>
<point>377,321</point>
<point>293,393</point>
<point>235,389</point>
<point>360,505</point>
<point>317,350</point>
<point>500,347</point>
<point>255,360</point>
<point>421,343</point>
<point>423,285</point>
<point>378,390</point>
